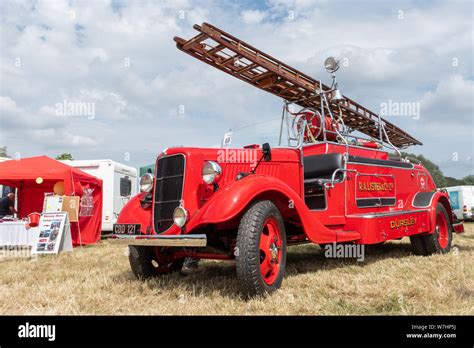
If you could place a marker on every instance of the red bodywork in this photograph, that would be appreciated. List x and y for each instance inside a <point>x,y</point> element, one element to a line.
<point>281,181</point>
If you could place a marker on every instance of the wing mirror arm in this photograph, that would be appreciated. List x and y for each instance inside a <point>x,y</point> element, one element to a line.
<point>266,155</point>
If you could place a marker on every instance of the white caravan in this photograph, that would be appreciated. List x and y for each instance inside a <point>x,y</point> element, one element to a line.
<point>462,201</point>
<point>119,183</point>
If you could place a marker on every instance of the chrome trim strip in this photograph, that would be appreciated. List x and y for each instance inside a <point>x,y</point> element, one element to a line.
<point>181,240</point>
<point>375,174</point>
<point>392,213</point>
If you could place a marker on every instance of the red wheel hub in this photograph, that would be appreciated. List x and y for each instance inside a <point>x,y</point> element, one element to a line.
<point>442,230</point>
<point>270,251</point>
<point>163,261</point>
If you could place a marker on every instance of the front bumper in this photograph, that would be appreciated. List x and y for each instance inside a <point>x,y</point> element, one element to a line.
<point>182,240</point>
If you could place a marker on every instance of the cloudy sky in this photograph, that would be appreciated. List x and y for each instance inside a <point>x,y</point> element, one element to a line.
<point>119,57</point>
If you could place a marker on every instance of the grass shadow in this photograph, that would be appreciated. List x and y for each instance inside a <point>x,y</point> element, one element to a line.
<point>220,277</point>
<point>312,258</point>
<point>211,277</point>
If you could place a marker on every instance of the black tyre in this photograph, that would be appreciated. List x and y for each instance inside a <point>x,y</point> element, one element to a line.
<point>261,249</point>
<point>149,262</point>
<point>440,240</point>
<point>437,242</point>
<point>418,245</point>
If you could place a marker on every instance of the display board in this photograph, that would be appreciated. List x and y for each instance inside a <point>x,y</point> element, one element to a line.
<point>56,204</point>
<point>54,234</point>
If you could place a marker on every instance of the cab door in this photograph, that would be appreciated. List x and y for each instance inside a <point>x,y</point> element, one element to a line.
<point>325,197</point>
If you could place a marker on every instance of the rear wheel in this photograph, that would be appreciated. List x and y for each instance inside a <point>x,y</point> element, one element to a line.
<point>149,262</point>
<point>440,240</point>
<point>261,246</point>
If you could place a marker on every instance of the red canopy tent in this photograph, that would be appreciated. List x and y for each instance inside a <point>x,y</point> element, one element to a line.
<point>22,174</point>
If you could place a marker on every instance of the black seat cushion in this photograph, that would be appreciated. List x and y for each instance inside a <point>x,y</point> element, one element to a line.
<point>322,166</point>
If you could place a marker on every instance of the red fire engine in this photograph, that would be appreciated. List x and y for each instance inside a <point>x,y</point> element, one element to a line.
<point>338,178</point>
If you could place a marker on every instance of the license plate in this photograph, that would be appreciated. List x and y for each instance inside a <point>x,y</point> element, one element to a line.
<point>127,228</point>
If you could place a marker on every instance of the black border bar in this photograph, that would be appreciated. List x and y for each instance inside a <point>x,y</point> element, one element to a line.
<point>242,330</point>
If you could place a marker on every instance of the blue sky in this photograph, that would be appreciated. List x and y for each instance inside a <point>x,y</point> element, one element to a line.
<point>120,57</point>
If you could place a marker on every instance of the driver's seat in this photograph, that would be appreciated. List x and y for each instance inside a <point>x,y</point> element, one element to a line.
<point>318,169</point>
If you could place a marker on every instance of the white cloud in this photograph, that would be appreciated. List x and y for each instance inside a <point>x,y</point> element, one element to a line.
<point>79,51</point>
<point>7,105</point>
<point>252,16</point>
<point>451,101</point>
<point>57,138</point>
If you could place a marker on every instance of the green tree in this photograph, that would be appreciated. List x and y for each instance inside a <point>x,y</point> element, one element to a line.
<point>4,151</point>
<point>468,180</point>
<point>64,156</point>
<point>454,182</point>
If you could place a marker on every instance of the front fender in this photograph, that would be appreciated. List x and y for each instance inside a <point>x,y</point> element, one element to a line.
<point>133,213</point>
<point>232,200</point>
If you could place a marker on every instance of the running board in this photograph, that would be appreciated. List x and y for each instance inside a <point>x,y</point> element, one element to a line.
<point>347,236</point>
<point>181,240</point>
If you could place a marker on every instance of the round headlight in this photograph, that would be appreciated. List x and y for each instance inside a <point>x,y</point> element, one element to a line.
<point>180,215</point>
<point>210,171</point>
<point>146,182</point>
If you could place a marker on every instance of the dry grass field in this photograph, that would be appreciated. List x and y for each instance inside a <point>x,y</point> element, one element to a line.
<point>391,281</point>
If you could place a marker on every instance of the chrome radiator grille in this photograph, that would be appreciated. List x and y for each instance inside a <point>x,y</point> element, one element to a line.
<point>168,190</point>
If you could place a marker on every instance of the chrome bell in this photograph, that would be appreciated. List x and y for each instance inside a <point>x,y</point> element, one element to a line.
<point>337,96</point>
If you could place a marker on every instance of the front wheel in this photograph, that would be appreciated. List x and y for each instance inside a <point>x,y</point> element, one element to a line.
<point>261,249</point>
<point>149,262</point>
